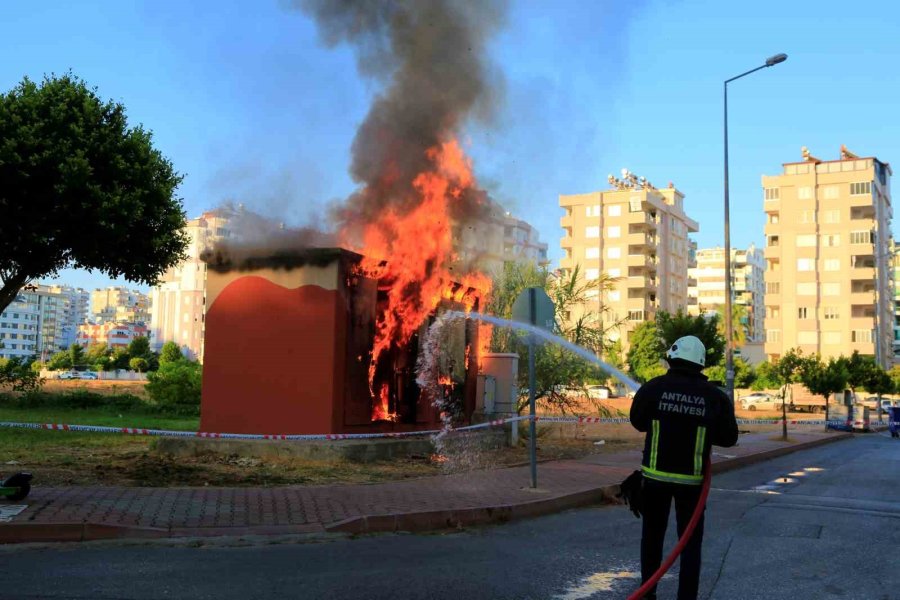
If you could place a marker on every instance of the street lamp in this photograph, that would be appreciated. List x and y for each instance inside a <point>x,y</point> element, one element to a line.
<point>729,334</point>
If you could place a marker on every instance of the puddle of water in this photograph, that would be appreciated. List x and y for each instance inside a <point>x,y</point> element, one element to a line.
<point>783,480</point>
<point>766,489</point>
<point>797,474</point>
<point>813,469</point>
<point>599,582</point>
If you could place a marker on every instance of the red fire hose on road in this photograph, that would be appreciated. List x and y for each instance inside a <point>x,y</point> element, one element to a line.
<point>688,532</point>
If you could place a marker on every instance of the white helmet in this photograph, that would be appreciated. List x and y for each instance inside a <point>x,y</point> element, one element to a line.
<point>688,348</point>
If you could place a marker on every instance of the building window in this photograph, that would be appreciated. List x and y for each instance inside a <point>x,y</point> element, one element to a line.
<point>804,193</point>
<point>635,315</point>
<point>773,335</point>
<point>831,289</point>
<point>772,193</point>
<point>806,264</point>
<point>614,231</point>
<point>832,264</point>
<point>831,192</point>
<point>592,252</point>
<point>615,272</point>
<point>808,337</point>
<point>863,336</point>
<point>806,241</point>
<point>802,313</point>
<point>593,211</point>
<point>807,216</point>
<point>861,237</point>
<point>592,232</point>
<point>773,287</point>
<point>861,188</point>
<point>773,312</point>
<point>806,289</point>
<point>831,240</point>
<point>831,338</point>
<point>614,295</point>
<point>832,216</point>
<point>592,274</point>
<point>635,204</point>
<point>614,252</point>
<point>773,218</point>
<point>614,210</point>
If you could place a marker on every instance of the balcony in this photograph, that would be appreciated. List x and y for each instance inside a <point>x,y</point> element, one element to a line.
<point>567,221</point>
<point>642,220</point>
<point>861,200</point>
<point>867,297</point>
<point>641,282</point>
<point>566,242</point>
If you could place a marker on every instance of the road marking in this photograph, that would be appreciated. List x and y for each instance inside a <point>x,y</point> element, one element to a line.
<point>8,512</point>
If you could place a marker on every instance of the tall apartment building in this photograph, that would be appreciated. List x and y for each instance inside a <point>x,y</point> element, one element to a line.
<point>113,335</point>
<point>706,285</point>
<point>119,305</point>
<point>895,265</point>
<point>178,301</point>
<point>19,326</point>
<point>498,238</point>
<point>637,234</point>
<point>829,288</point>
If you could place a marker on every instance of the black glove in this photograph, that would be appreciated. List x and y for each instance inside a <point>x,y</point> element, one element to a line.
<point>630,492</point>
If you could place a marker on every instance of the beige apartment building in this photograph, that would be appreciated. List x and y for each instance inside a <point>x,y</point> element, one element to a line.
<point>119,305</point>
<point>637,234</point>
<point>706,285</point>
<point>179,300</point>
<point>829,287</point>
<point>498,238</point>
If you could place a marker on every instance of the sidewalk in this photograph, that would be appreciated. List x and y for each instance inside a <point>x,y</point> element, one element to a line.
<point>481,497</point>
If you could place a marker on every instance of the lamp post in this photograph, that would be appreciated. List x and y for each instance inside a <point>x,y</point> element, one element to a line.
<point>729,334</point>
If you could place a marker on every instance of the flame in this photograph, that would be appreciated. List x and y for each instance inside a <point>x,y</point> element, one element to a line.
<point>381,407</point>
<point>411,253</point>
<point>445,380</point>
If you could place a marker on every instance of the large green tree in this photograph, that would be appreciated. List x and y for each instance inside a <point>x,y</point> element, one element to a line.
<point>823,378</point>
<point>646,352</point>
<point>705,327</point>
<point>787,371</point>
<point>80,188</point>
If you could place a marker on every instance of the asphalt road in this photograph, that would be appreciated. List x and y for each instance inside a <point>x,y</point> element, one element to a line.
<point>831,531</point>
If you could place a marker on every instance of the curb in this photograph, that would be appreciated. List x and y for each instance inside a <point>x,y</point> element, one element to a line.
<point>11,533</point>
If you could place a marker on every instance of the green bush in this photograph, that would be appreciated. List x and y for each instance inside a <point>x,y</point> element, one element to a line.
<point>76,399</point>
<point>175,387</point>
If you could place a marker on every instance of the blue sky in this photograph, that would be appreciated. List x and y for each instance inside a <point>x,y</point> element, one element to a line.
<point>248,104</point>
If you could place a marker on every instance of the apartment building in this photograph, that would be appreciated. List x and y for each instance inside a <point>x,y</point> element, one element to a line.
<point>496,239</point>
<point>637,234</point>
<point>706,285</point>
<point>77,310</point>
<point>178,301</point>
<point>114,335</point>
<point>829,288</point>
<point>895,265</point>
<point>19,326</point>
<point>119,305</point>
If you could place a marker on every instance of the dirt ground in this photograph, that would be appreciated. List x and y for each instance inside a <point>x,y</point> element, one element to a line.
<point>100,387</point>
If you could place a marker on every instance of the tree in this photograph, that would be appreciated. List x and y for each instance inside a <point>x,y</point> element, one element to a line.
<point>138,364</point>
<point>860,370</point>
<point>60,361</point>
<point>894,374</point>
<point>879,383</point>
<point>18,375</point>
<point>76,355</point>
<point>578,319</point>
<point>787,371</point>
<point>705,327</point>
<point>766,377</point>
<point>744,374</point>
<point>62,146</point>
<point>823,379</point>
<point>175,387</point>
<point>170,352</point>
<point>95,353</point>
<point>119,359</point>
<point>646,352</point>
<point>739,320</point>
<point>139,347</point>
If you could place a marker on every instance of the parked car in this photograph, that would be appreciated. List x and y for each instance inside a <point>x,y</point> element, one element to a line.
<point>68,375</point>
<point>87,375</point>
<point>760,401</point>
<point>599,392</point>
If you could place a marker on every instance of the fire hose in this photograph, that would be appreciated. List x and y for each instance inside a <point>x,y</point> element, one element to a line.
<point>688,532</point>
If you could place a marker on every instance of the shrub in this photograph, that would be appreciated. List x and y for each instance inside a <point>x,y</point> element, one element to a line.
<point>18,375</point>
<point>175,387</point>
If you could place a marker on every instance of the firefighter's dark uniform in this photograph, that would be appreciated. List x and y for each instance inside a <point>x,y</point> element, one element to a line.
<point>683,415</point>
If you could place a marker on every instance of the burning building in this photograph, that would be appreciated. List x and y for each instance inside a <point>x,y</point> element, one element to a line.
<point>290,348</point>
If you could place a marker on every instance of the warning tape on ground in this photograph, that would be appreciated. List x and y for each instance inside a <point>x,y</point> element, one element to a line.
<point>398,434</point>
<point>252,436</point>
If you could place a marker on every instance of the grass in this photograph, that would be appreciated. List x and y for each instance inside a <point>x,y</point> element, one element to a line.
<point>97,416</point>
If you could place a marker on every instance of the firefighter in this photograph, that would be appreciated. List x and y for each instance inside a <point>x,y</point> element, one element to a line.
<point>683,415</point>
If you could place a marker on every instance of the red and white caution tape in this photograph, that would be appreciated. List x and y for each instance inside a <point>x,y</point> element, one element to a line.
<point>396,434</point>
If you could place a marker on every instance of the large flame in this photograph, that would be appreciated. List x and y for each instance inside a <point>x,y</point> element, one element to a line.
<point>411,254</point>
